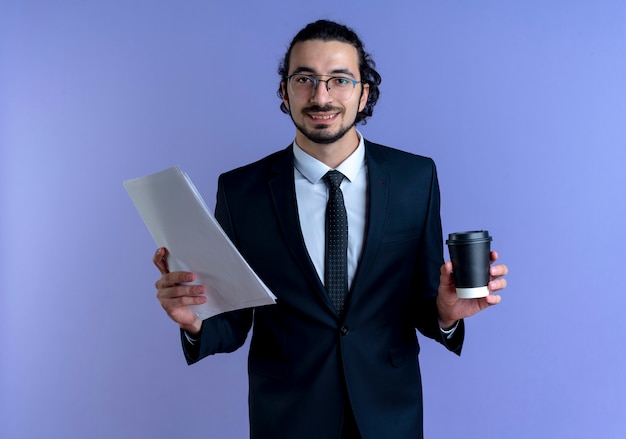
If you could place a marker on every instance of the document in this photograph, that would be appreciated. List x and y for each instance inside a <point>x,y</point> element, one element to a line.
<point>178,219</point>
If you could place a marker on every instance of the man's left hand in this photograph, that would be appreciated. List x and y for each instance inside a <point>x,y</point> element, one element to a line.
<point>451,308</point>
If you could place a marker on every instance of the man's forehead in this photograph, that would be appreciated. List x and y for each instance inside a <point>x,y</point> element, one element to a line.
<point>313,54</point>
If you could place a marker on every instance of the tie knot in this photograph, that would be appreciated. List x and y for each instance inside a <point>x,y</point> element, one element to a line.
<point>333,179</point>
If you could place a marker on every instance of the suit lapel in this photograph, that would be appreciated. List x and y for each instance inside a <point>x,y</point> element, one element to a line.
<point>378,196</point>
<point>282,188</point>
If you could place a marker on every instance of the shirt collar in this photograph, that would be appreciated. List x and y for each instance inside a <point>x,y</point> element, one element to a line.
<point>313,170</point>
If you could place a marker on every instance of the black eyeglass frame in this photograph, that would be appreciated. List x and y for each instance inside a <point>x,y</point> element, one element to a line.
<point>317,81</point>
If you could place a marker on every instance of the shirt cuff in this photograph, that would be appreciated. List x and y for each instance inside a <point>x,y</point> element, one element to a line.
<point>448,333</point>
<point>192,341</point>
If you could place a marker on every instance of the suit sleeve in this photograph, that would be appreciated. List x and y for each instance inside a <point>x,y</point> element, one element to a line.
<point>225,332</point>
<point>427,273</point>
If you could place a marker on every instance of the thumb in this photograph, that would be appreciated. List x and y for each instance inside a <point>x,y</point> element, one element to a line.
<point>446,274</point>
<point>160,260</point>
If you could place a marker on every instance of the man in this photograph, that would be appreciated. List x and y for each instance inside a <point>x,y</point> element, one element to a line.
<point>337,356</point>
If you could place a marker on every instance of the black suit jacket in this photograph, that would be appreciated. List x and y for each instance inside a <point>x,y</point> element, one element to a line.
<point>304,360</point>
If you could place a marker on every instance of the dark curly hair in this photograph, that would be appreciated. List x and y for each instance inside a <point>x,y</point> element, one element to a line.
<point>330,31</point>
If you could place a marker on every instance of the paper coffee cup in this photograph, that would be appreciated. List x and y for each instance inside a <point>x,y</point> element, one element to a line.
<point>469,253</point>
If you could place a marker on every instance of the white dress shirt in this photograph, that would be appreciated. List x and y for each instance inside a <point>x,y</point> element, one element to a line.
<point>312,197</point>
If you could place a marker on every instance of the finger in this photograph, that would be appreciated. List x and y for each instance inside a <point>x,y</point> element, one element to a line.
<point>180,291</point>
<point>169,304</point>
<point>175,277</point>
<point>446,272</point>
<point>497,284</point>
<point>493,256</point>
<point>493,299</point>
<point>498,270</point>
<point>160,260</point>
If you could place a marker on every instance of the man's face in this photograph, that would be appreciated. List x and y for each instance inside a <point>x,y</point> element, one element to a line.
<point>324,116</point>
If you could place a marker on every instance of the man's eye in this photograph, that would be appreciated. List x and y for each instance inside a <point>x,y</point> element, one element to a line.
<point>341,82</point>
<point>303,80</point>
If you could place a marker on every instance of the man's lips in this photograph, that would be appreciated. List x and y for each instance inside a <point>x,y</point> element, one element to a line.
<point>322,117</point>
<point>322,114</point>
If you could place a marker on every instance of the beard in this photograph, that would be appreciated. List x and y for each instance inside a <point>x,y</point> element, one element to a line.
<point>320,134</point>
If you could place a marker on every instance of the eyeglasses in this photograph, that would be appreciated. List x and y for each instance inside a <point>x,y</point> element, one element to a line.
<point>304,86</point>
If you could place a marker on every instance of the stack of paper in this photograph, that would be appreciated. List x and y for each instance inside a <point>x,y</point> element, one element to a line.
<point>179,220</point>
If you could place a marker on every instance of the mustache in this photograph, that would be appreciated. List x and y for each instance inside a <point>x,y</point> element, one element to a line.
<point>324,109</point>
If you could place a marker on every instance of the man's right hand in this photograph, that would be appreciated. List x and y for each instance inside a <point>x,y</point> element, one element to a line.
<point>176,298</point>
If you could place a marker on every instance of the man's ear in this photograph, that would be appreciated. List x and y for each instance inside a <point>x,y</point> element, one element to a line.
<point>283,92</point>
<point>364,95</point>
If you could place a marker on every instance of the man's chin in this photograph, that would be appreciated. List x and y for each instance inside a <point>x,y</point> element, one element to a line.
<point>322,135</point>
<point>323,138</point>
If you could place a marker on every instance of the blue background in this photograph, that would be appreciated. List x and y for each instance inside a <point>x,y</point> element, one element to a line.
<point>522,105</point>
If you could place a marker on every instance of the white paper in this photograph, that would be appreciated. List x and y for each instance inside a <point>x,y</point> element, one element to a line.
<point>178,219</point>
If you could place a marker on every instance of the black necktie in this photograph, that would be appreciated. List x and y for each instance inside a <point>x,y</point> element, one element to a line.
<point>336,262</point>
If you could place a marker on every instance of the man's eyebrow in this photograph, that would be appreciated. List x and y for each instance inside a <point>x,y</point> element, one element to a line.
<point>309,70</point>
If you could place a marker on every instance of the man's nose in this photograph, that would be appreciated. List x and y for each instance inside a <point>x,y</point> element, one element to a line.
<point>321,93</point>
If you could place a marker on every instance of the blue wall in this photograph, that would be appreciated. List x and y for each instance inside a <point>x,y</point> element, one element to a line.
<point>520,103</point>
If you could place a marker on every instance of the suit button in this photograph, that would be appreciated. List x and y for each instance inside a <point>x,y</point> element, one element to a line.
<point>345,330</point>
